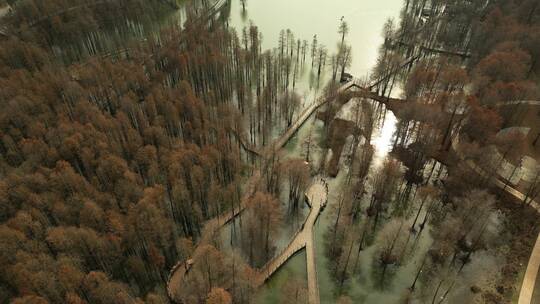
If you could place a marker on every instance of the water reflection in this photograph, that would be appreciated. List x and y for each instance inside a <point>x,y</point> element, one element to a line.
<point>307,18</point>
<point>382,142</point>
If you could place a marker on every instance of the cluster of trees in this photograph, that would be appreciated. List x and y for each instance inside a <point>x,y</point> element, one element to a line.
<point>110,167</point>
<point>463,98</point>
<point>73,29</point>
<point>506,52</point>
<point>452,83</point>
<point>104,168</point>
<point>217,278</point>
<point>353,225</point>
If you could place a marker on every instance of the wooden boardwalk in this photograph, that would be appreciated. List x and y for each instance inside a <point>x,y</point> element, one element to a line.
<point>210,229</point>
<point>284,138</point>
<point>445,52</point>
<point>287,135</point>
<point>316,198</point>
<point>304,238</point>
<point>531,276</point>
<point>516,194</point>
<point>428,49</point>
<point>247,146</point>
<point>395,70</point>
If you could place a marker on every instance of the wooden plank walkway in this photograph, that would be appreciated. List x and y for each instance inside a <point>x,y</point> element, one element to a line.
<point>284,138</point>
<point>445,52</point>
<point>313,285</point>
<point>300,240</point>
<point>428,49</point>
<point>392,72</point>
<point>516,194</point>
<point>211,227</point>
<point>304,238</point>
<point>531,276</point>
<point>246,145</point>
<point>316,198</point>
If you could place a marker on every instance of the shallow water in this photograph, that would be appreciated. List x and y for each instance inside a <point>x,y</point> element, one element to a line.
<point>306,18</point>
<point>363,287</point>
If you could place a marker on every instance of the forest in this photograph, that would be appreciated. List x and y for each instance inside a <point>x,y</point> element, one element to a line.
<point>127,153</point>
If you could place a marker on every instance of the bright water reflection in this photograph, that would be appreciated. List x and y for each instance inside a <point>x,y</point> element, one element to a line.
<point>306,18</point>
<point>382,141</point>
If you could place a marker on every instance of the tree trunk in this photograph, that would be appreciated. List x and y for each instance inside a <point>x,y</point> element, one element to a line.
<point>418,273</point>
<point>418,213</point>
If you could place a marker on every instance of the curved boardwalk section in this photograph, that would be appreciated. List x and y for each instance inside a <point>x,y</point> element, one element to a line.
<point>316,195</point>
<point>531,276</point>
